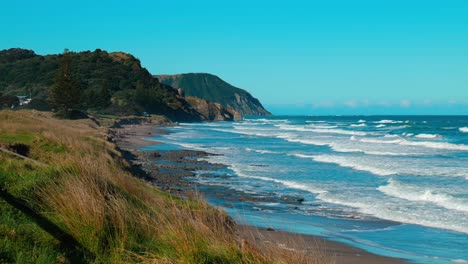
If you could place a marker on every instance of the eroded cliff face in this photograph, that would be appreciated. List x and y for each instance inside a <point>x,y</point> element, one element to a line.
<point>214,89</point>
<point>212,111</point>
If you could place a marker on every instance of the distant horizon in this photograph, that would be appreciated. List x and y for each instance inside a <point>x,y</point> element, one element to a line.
<point>343,110</point>
<point>345,115</point>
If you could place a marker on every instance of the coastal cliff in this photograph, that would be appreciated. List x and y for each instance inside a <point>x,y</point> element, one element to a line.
<point>213,111</point>
<point>213,88</point>
<point>112,83</point>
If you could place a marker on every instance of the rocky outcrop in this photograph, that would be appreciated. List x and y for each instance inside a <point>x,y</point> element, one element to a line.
<point>212,111</point>
<point>214,89</point>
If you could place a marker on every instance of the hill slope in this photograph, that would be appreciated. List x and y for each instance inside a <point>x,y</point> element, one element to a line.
<point>66,196</point>
<point>213,88</point>
<point>111,83</point>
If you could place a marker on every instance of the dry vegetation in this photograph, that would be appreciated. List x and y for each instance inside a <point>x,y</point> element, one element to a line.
<point>81,204</point>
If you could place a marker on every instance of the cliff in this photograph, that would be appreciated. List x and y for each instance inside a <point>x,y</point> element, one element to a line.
<point>110,83</point>
<point>213,111</point>
<point>213,88</point>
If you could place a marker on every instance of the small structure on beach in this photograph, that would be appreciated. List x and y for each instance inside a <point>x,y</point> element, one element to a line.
<point>23,100</point>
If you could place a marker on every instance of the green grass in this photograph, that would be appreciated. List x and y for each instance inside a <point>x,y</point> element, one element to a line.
<point>83,205</point>
<point>11,138</point>
<point>106,228</point>
<point>20,177</point>
<point>46,146</point>
<point>23,241</point>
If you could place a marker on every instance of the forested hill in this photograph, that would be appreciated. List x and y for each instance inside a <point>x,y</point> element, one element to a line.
<point>213,88</point>
<point>113,83</point>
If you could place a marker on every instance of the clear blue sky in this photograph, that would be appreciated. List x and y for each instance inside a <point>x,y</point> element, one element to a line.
<point>309,57</point>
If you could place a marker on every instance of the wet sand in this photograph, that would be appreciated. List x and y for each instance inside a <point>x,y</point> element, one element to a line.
<point>168,171</point>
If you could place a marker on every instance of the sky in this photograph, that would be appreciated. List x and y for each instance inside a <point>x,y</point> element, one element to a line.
<point>297,57</point>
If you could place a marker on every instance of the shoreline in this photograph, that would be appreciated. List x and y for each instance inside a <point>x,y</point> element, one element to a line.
<point>170,176</point>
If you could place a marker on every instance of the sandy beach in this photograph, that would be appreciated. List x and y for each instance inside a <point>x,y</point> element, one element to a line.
<point>171,178</point>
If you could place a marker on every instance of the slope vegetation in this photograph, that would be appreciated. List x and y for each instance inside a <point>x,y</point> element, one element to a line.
<point>68,196</point>
<point>213,88</point>
<point>111,83</point>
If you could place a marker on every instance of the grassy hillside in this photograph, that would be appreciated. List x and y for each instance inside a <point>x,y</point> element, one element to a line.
<point>69,197</point>
<point>213,88</point>
<point>113,83</point>
<point>79,203</point>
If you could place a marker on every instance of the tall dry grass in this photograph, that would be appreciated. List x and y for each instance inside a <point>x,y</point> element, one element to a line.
<point>120,218</point>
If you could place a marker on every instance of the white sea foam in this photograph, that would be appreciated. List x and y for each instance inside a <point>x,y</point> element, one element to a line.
<point>434,145</point>
<point>339,131</point>
<point>381,125</point>
<point>392,210</point>
<point>270,204</point>
<point>246,132</point>
<point>373,152</point>
<point>361,121</point>
<point>322,126</point>
<point>387,164</point>
<point>306,141</point>
<point>425,144</point>
<point>463,129</point>
<point>380,141</point>
<point>291,184</point>
<point>308,128</point>
<point>342,161</point>
<point>191,146</point>
<point>386,121</point>
<point>316,121</point>
<point>429,136</point>
<point>352,145</point>
<point>358,125</point>
<point>415,193</point>
<point>459,261</point>
<point>264,120</point>
<point>349,163</point>
<point>325,129</point>
<point>261,151</point>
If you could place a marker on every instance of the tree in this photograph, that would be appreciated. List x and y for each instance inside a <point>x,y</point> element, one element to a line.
<point>65,94</point>
<point>104,96</point>
<point>8,101</point>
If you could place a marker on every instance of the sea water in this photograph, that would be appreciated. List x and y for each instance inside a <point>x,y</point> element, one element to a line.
<point>392,185</point>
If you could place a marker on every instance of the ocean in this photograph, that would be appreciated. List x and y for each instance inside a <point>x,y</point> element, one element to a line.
<point>392,185</point>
